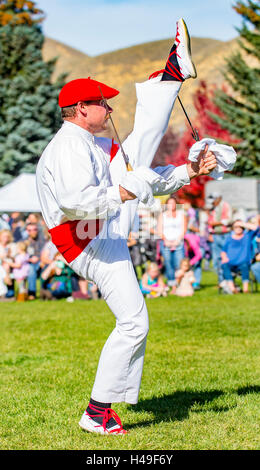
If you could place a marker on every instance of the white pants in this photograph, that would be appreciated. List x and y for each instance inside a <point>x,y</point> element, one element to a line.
<point>106,260</point>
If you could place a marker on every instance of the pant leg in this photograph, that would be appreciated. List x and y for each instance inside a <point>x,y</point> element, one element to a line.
<point>120,366</point>
<point>217,246</point>
<point>32,278</point>
<point>177,256</point>
<point>244,270</point>
<point>227,274</point>
<point>169,264</point>
<point>256,270</point>
<point>197,272</point>
<point>155,101</point>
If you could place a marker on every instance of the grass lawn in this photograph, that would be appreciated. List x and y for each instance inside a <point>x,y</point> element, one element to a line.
<point>200,387</point>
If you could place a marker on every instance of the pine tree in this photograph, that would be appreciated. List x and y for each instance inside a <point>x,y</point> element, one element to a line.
<point>241,108</point>
<point>29,113</point>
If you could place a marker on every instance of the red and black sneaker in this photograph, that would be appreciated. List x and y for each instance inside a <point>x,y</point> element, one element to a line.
<point>104,421</point>
<point>179,65</point>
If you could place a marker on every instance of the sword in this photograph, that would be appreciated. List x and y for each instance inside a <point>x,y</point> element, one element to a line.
<point>126,159</point>
<point>194,133</point>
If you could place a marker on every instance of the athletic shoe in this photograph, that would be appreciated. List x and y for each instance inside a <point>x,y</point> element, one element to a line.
<point>87,423</point>
<point>179,65</point>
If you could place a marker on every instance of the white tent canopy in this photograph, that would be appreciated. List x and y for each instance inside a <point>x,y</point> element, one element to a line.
<point>20,195</point>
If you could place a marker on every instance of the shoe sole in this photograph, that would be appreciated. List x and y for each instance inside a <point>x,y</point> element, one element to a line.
<point>89,428</point>
<point>188,46</point>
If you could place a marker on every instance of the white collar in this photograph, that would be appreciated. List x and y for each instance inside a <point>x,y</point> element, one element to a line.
<point>86,134</point>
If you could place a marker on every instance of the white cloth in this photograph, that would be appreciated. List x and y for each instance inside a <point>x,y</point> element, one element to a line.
<point>76,181</point>
<point>225,156</point>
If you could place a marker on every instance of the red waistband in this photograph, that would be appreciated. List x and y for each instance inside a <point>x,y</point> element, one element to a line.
<point>72,237</point>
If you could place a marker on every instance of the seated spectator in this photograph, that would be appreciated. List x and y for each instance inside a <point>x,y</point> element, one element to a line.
<point>48,252</point>
<point>58,279</point>
<point>152,283</point>
<point>18,229</point>
<point>237,254</point>
<point>7,253</point>
<point>21,267</point>
<point>35,244</point>
<point>3,288</point>
<point>36,219</point>
<point>185,279</point>
<point>255,267</point>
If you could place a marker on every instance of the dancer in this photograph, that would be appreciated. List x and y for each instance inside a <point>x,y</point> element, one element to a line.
<point>88,202</point>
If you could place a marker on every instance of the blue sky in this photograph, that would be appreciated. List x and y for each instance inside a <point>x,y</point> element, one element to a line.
<point>98,26</point>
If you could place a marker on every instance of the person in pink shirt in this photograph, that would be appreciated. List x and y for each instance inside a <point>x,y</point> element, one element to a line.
<point>194,253</point>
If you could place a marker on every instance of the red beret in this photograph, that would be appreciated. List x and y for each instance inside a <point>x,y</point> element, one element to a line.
<point>84,89</point>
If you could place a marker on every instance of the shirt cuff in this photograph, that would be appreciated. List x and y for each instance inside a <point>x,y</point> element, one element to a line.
<point>113,194</point>
<point>181,174</point>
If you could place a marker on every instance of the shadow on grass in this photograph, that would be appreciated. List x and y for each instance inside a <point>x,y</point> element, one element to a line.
<point>176,406</point>
<point>248,389</point>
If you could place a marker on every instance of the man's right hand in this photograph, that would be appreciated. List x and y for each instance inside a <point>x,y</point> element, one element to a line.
<point>126,195</point>
<point>133,186</point>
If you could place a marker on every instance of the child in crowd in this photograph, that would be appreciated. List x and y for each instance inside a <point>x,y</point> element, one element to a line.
<point>152,283</point>
<point>185,278</point>
<point>21,268</point>
<point>58,276</point>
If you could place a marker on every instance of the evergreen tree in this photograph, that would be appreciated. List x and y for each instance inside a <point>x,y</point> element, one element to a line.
<point>241,108</point>
<point>29,112</point>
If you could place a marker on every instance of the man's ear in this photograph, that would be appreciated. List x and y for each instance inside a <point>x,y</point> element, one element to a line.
<point>82,108</point>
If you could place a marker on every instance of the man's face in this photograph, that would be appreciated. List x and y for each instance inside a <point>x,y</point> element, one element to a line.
<point>32,231</point>
<point>238,228</point>
<point>97,115</point>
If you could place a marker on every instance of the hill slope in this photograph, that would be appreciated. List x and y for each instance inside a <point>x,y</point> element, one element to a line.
<point>122,68</point>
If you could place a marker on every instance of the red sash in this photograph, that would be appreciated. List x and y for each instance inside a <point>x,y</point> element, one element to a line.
<point>72,237</point>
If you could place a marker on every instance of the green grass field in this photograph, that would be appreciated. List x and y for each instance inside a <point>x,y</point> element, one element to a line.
<point>200,387</point>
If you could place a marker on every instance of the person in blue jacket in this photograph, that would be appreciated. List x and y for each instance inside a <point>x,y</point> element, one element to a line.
<point>237,253</point>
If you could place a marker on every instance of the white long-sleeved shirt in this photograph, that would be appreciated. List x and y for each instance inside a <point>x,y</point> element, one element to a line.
<point>74,179</point>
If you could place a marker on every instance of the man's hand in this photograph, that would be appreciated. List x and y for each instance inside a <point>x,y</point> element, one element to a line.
<point>126,195</point>
<point>224,257</point>
<point>205,164</point>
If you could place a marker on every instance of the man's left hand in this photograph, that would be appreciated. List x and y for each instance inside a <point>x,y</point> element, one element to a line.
<point>205,164</point>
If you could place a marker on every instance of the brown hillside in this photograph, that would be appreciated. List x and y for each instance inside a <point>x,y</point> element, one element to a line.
<point>122,68</point>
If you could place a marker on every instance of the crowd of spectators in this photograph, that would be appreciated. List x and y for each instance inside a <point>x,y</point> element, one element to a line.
<point>170,246</point>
